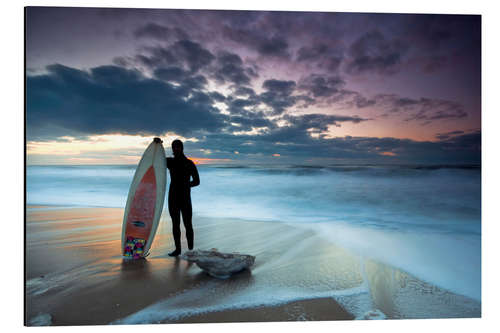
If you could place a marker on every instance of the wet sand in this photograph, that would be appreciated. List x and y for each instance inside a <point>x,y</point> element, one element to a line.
<point>75,274</point>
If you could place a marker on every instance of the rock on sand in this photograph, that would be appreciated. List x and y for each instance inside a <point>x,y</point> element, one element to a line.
<point>217,264</point>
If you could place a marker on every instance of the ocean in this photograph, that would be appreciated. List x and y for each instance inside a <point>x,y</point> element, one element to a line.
<point>423,220</point>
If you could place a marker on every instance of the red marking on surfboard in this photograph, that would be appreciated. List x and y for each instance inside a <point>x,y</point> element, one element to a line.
<point>142,209</point>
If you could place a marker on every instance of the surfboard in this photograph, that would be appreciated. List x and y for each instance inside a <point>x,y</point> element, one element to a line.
<point>144,202</point>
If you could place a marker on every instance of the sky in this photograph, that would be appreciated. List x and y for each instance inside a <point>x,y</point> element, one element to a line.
<point>252,86</point>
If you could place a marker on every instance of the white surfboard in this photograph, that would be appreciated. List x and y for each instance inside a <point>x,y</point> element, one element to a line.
<point>144,203</point>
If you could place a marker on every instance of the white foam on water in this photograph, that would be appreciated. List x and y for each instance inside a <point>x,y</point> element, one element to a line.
<point>288,256</point>
<point>64,282</point>
<point>210,299</point>
<point>450,261</point>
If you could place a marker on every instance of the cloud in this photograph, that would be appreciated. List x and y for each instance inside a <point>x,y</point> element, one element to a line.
<point>447,135</point>
<point>322,54</point>
<point>279,87</point>
<point>180,76</point>
<point>319,123</point>
<point>464,142</point>
<point>240,105</point>
<point>229,67</point>
<point>295,138</point>
<point>278,95</point>
<point>275,46</point>
<point>312,53</point>
<point>171,73</point>
<point>424,110</point>
<point>111,99</point>
<point>159,32</point>
<point>260,41</point>
<point>153,30</point>
<point>295,144</point>
<point>250,121</point>
<point>193,53</point>
<point>373,53</point>
<point>321,86</point>
<point>244,91</point>
<point>189,55</point>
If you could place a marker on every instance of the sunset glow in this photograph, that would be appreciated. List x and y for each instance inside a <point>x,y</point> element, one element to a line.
<point>320,86</point>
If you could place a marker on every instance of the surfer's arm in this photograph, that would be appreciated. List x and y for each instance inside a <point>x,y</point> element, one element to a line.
<point>194,174</point>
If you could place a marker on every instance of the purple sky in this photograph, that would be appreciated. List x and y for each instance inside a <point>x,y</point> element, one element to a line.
<point>330,87</point>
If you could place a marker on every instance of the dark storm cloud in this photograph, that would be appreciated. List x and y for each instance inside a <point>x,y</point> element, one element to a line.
<point>294,138</point>
<point>423,110</point>
<point>193,53</point>
<point>239,105</point>
<point>248,121</point>
<point>279,87</point>
<point>214,46</point>
<point>260,41</point>
<point>349,99</point>
<point>193,56</point>
<point>444,136</point>
<point>373,53</point>
<point>186,57</point>
<point>363,102</point>
<point>467,141</point>
<point>153,30</point>
<point>157,57</point>
<point>110,99</point>
<point>216,96</point>
<point>229,67</point>
<point>318,123</point>
<point>244,91</point>
<point>122,61</point>
<point>321,86</point>
<point>312,53</point>
<point>276,46</point>
<point>171,73</point>
<point>179,76</point>
<point>159,32</point>
<point>278,95</point>
<point>298,129</point>
<point>294,141</point>
<point>322,54</point>
<point>438,41</point>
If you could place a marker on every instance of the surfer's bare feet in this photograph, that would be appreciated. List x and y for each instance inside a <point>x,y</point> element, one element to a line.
<point>175,253</point>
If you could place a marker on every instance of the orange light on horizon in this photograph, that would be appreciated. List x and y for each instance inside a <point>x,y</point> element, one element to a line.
<point>387,153</point>
<point>205,160</point>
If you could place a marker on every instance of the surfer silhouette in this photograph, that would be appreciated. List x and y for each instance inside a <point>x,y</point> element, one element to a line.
<point>182,170</point>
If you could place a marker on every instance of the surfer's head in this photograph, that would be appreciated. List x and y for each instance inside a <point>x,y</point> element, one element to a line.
<point>177,148</point>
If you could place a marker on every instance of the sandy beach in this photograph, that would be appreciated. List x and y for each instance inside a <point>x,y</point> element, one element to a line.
<point>75,275</point>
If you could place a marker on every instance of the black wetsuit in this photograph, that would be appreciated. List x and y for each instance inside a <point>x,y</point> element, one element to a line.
<point>179,197</point>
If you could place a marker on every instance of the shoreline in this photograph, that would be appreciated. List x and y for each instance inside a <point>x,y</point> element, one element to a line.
<point>76,274</point>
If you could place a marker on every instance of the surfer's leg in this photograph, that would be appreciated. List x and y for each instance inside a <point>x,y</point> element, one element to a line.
<point>175,215</point>
<point>187,215</point>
